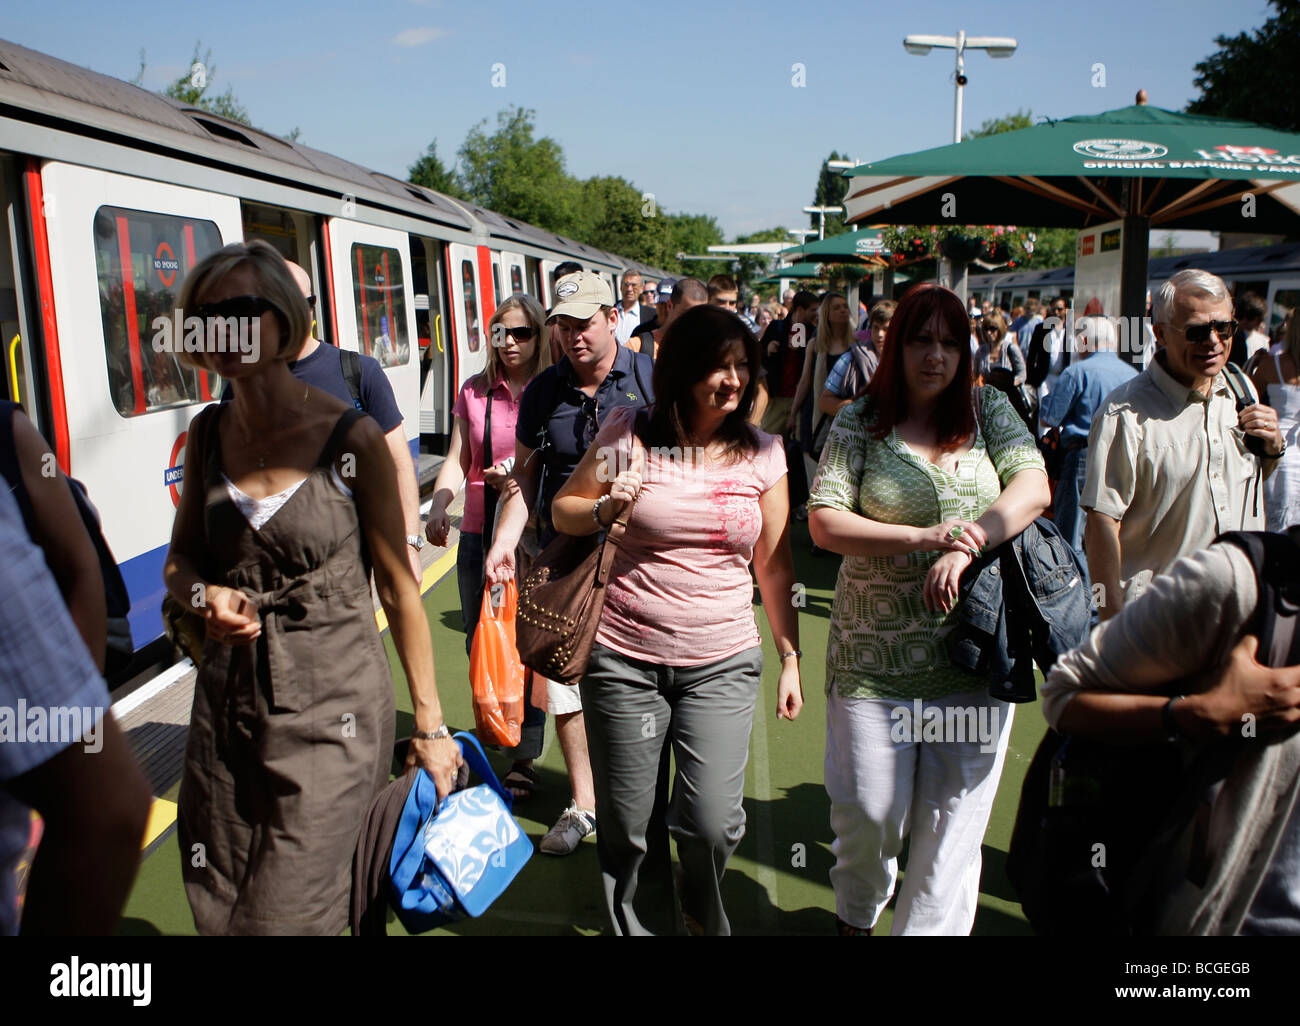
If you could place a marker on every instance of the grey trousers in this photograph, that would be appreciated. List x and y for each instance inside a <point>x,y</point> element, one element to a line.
<point>636,713</point>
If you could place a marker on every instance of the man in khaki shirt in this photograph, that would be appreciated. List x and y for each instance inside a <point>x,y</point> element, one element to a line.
<point>1168,467</point>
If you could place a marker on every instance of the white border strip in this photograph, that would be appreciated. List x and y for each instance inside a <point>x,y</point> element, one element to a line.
<point>154,687</point>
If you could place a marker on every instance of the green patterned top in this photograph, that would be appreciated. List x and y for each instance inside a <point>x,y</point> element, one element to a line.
<point>883,642</point>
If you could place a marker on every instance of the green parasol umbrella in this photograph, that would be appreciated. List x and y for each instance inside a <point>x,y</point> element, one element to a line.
<point>865,244</point>
<point>1147,166</point>
<point>804,270</point>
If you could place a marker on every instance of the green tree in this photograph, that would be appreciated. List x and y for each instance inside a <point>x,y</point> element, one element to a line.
<point>512,173</point>
<point>430,172</point>
<point>756,265</point>
<point>1255,76</point>
<point>694,234</point>
<point>193,85</point>
<point>996,126</point>
<point>831,189</point>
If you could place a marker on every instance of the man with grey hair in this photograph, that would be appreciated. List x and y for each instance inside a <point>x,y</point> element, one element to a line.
<point>1170,468</point>
<point>1070,406</point>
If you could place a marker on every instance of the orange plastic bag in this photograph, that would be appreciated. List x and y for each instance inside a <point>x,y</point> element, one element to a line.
<point>495,672</point>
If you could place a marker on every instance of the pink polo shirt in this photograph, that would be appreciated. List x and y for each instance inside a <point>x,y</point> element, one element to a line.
<point>679,592</point>
<point>471,406</point>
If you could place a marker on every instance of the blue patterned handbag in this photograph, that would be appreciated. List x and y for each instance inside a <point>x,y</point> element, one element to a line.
<point>453,860</point>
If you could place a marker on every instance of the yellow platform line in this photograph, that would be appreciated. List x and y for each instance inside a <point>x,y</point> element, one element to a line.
<point>432,576</point>
<point>162,814</point>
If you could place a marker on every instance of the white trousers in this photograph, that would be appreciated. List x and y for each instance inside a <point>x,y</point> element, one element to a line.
<point>886,774</point>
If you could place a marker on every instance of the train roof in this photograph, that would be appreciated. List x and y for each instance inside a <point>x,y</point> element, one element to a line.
<point>38,88</point>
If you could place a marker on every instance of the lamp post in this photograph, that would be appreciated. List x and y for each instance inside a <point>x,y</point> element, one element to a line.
<point>997,46</point>
<point>821,213</point>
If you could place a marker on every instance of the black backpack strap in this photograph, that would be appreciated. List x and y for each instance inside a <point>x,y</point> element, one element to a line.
<point>351,362</point>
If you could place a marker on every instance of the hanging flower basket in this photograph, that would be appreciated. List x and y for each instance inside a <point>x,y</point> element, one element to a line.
<point>961,249</point>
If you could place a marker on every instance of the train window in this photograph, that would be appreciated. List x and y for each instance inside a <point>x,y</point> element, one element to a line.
<point>471,303</point>
<point>496,280</point>
<point>379,295</point>
<point>516,279</point>
<point>141,258</point>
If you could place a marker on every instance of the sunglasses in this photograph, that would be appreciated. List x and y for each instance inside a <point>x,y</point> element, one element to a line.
<point>236,306</point>
<point>522,333</point>
<point>1201,332</point>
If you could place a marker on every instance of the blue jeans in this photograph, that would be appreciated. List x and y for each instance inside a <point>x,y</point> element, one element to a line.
<point>1069,517</point>
<point>469,577</point>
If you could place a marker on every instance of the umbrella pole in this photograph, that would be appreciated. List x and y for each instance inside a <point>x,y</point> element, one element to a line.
<point>1133,283</point>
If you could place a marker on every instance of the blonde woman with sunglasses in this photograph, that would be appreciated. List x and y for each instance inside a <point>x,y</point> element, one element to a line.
<point>516,352</point>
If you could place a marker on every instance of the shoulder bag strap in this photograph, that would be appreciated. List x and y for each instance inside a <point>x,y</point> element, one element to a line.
<point>615,530</point>
<point>490,495</point>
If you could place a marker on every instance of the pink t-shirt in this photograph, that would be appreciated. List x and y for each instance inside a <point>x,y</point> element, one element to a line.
<point>679,592</point>
<point>471,406</point>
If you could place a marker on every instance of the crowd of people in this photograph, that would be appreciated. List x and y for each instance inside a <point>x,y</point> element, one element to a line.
<point>915,437</point>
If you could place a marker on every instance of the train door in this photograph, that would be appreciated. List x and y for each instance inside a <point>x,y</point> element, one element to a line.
<point>113,251</point>
<point>295,235</point>
<point>512,275</point>
<point>1283,299</point>
<point>546,292</point>
<point>533,278</point>
<point>467,313</point>
<point>376,306</point>
<point>434,333</point>
<point>16,338</point>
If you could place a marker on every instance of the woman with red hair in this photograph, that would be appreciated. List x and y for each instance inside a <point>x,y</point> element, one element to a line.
<point>918,475</point>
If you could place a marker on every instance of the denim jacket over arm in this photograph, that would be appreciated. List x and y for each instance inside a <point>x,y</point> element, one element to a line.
<point>999,632</point>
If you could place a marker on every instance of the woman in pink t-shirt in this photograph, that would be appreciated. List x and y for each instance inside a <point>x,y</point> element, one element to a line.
<point>678,660</point>
<point>515,354</point>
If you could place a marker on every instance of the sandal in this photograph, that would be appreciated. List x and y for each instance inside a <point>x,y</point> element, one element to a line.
<point>521,781</point>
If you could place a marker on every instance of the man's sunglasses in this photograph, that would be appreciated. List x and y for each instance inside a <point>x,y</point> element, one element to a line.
<point>1201,332</point>
<point>522,333</point>
<point>236,306</point>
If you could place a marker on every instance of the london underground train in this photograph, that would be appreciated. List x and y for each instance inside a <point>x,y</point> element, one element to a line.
<point>112,193</point>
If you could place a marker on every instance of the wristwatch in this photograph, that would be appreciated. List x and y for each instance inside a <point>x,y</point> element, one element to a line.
<point>431,735</point>
<point>1279,454</point>
<point>415,540</point>
<point>1172,731</point>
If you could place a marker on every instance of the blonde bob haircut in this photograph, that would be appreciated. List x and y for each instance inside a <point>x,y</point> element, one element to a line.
<point>274,283</point>
<point>535,317</point>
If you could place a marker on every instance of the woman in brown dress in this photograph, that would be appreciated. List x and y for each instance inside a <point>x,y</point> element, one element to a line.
<point>291,493</point>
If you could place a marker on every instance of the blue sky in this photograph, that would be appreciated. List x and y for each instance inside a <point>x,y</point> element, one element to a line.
<point>732,135</point>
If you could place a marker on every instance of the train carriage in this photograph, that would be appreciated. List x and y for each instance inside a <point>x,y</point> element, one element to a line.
<point>112,193</point>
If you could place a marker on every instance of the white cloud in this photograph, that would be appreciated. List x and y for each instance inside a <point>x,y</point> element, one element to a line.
<point>418,36</point>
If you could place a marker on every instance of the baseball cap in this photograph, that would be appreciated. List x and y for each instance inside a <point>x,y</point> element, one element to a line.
<point>580,295</point>
<point>666,289</point>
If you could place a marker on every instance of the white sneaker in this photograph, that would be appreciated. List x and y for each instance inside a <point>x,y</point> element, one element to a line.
<point>573,825</point>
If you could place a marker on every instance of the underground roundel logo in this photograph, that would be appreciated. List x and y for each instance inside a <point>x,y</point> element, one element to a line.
<point>566,289</point>
<point>1120,149</point>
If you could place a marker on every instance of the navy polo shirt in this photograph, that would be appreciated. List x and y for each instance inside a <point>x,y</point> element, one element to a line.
<point>323,369</point>
<point>565,433</point>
